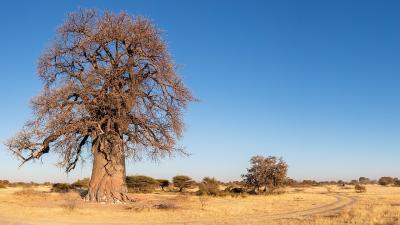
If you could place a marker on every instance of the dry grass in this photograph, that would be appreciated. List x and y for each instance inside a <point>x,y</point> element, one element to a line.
<point>29,192</point>
<point>70,204</point>
<point>378,206</point>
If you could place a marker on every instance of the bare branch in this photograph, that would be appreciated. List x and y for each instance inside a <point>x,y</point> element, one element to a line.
<point>106,77</point>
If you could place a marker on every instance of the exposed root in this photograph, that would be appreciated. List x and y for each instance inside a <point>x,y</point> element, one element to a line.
<point>110,197</point>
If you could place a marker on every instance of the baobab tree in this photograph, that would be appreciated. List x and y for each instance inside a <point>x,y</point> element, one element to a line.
<point>110,89</point>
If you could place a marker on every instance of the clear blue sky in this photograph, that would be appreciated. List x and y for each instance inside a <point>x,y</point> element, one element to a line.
<point>316,82</point>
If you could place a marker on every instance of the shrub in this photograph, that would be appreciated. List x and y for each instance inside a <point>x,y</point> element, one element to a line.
<point>4,182</point>
<point>396,182</point>
<point>182,182</point>
<point>235,190</point>
<point>163,183</point>
<point>61,187</point>
<point>34,184</point>
<point>354,182</point>
<point>84,183</point>
<point>341,183</point>
<point>209,186</point>
<point>290,182</point>
<point>363,180</point>
<point>385,181</point>
<point>360,188</point>
<point>310,183</point>
<point>142,184</point>
<point>20,184</point>
<point>165,206</point>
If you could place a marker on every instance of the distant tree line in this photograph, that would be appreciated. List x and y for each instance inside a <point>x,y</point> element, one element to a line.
<point>384,181</point>
<point>266,175</point>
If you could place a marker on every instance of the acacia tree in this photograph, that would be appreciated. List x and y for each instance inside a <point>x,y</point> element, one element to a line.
<point>163,183</point>
<point>111,89</point>
<point>268,172</point>
<point>182,182</point>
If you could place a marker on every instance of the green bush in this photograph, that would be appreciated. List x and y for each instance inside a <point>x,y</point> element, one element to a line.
<point>2,185</point>
<point>385,181</point>
<point>163,183</point>
<point>142,184</point>
<point>61,187</point>
<point>84,183</point>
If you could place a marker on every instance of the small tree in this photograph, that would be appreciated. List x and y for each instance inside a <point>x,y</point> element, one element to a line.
<point>268,172</point>
<point>363,180</point>
<point>163,183</point>
<point>141,183</point>
<point>182,182</point>
<point>385,181</point>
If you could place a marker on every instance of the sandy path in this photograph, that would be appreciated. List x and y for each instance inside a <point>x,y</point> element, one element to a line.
<point>341,201</point>
<point>337,206</point>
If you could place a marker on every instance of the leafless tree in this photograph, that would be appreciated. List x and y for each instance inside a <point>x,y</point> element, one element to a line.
<point>268,172</point>
<point>111,89</point>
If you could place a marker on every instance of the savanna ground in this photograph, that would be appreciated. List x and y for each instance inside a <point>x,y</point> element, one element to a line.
<point>309,205</point>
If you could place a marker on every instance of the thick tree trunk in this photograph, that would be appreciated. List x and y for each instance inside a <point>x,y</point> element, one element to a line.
<point>108,181</point>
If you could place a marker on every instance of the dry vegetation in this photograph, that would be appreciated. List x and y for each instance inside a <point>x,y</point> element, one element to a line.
<point>111,91</point>
<point>308,205</point>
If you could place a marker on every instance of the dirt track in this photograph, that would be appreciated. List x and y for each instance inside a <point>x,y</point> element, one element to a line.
<point>342,201</point>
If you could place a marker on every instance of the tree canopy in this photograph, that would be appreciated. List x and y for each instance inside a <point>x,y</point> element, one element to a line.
<point>268,172</point>
<point>110,87</point>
